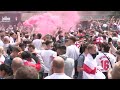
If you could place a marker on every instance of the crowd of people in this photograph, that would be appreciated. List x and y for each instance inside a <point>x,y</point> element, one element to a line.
<point>91,51</point>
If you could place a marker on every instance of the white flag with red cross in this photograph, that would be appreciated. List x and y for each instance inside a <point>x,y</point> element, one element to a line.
<point>77,44</point>
<point>91,70</point>
<point>99,40</point>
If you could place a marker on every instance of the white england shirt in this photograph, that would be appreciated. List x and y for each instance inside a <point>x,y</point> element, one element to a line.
<point>103,61</point>
<point>91,70</point>
<point>72,52</point>
<point>37,43</point>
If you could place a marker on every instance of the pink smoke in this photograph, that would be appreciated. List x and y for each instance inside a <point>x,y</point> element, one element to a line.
<point>48,23</point>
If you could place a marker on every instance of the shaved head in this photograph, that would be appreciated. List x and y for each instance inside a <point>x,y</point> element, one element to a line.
<point>17,63</point>
<point>58,64</point>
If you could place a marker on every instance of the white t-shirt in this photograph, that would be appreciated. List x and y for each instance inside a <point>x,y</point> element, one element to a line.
<point>47,56</point>
<point>1,43</point>
<point>72,52</point>
<point>103,61</point>
<point>2,59</point>
<point>69,67</point>
<point>37,43</point>
<point>11,40</point>
<point>58,76</point>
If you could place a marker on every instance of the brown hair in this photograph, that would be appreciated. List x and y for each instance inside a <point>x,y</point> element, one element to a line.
<point>48,42</point>
<point>17,49</point>
<point>72,38</point>
<point>31,46</point>
<point>90,46</point>
<point>105,46</point>
<point>114,34</point>
<point>26,72</point>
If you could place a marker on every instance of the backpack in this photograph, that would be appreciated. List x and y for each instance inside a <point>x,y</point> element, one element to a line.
<point>76,63</point>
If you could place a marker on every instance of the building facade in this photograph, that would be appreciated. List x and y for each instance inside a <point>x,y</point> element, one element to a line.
<point>84,15</point>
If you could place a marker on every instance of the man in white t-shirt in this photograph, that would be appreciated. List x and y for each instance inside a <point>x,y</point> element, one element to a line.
<point>105,59</point>
<point>38,42</point>
<point>7,41</point>
<point>12,35</point>
<point>72,50</point>
<point>58,69</point>
<point>48,56</point>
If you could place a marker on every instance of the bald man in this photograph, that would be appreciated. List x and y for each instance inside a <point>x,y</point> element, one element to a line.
<point>16,63</point>
<point>58,69</point>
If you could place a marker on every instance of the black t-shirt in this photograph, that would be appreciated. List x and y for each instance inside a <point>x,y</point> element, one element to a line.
<point>34,56</point>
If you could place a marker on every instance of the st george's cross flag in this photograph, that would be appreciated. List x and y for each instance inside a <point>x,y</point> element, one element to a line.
<point>91,70</point>
<point>77,44</point>
<point>99,40</point>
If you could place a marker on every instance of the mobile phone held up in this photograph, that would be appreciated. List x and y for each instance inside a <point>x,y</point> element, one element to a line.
<point>109,40</point>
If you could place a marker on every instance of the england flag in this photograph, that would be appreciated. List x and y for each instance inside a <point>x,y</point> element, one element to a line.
<point>91,70</point>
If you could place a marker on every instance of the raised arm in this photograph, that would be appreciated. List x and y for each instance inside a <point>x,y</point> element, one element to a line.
<point>18,39</point>
<point>112,48</point>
